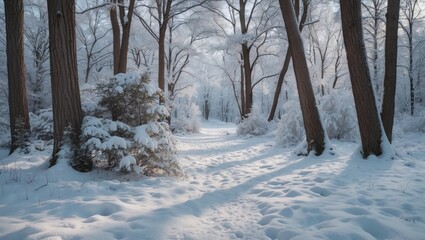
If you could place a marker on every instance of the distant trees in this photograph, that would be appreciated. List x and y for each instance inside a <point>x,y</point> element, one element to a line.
<point>410,16</point>
<point>94,38</point>
<point>67,112</point>
<point>364,98</point>
<point>18,102</point>
<point>313,127</point>
<point>37,42</point>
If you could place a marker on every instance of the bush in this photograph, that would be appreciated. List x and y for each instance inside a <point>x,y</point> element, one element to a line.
<point>130,98</point>
<point>339,116</point>
<point>254,124</point>
<point>42,125</point>
<point>186,118</point>
<point>140,140</point>
<point>290,129</point>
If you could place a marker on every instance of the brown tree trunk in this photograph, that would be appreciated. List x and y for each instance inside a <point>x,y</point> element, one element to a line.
<point>390,78</point>
<point>18,102</point>
<point>120,42</point>
<point>287,60</point>
<point>246,61</point>
<point>248,79</point>
<point>165,14</point>
<point>161,59</point>
<point>64,76</point>
<point>122,66</point>
<point>312,124</point>
<point>364,98</point>
<point>116,35</point>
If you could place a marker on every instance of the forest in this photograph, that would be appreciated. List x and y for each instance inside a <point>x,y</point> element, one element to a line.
<point>156,93</point>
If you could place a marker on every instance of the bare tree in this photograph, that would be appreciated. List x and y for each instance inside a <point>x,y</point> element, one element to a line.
<point>374,27</point>
<point>364,98</point>
<point>162,12</point>
<point>67,112</point>
<point>37,42</point>
<point>91,33</point>
<point>410,15</point>
<point>313,127</point>
<point>322,37</point>
<point>18,103</point>
<point>390,79</point>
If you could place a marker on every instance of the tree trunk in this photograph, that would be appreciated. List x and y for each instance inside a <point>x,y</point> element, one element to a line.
<point>18,102</point>
<point>161,59</point>
<point>247,70</point>
<point>248,79</point>
<point>312,124</point>
<point>126,25</point>
<point>390,78</point>
<point>287,60</point>
<point>364,98</point>
<point>116,36</point>
<point>165,14</point>
<point>64,76</point>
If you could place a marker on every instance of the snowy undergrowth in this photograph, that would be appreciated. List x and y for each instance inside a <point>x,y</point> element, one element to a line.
<point>128,131</point>
<point>254,124</point>
<point>237,188</point>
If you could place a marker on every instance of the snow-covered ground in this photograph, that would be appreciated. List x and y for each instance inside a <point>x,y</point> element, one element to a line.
<point>236,188</point>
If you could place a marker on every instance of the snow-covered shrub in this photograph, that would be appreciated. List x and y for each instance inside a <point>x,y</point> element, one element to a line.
<point>338,115</point>
<point>140,140</point>
<point>185,118</point>
<point>254,124</point>
<point>111,144</point>
<point>407,123</point>
<point>130,98</point>
<point>290,129</point>
<point>42,125</point>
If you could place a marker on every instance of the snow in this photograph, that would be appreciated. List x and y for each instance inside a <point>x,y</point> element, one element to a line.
<point>235,188</point>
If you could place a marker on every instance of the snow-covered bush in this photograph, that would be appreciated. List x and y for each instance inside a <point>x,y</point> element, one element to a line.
<point>290,129</point>
<point>140,141</point>
<point>407,123</point>
<point>111,144</point>
<point>42,125</point>
<point>130,98</point>
<point>254,124</point>
<point>185,118</point>
<point>338,115</point>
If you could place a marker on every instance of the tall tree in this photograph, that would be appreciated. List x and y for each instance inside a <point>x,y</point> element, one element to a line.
<point>313,127</point>
<point>121,41</point>
<point>364,98</point>
<point>284,70</point>
<point>390,77</point>
<point>18,103</point>
<point>66,100</point>
<point>163,11</point>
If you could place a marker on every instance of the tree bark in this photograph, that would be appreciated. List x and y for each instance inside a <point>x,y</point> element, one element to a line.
<point>121,42</point>
<point>390,77</point>
<point>116,36</point>
<point>126,25</point>
<point>66,101</point>
<point>246,61</point>
<point>18,102</point>
<point>161,46</point>
<point>364,98</point>
<point>312,124</point>
<point>287,60</point>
